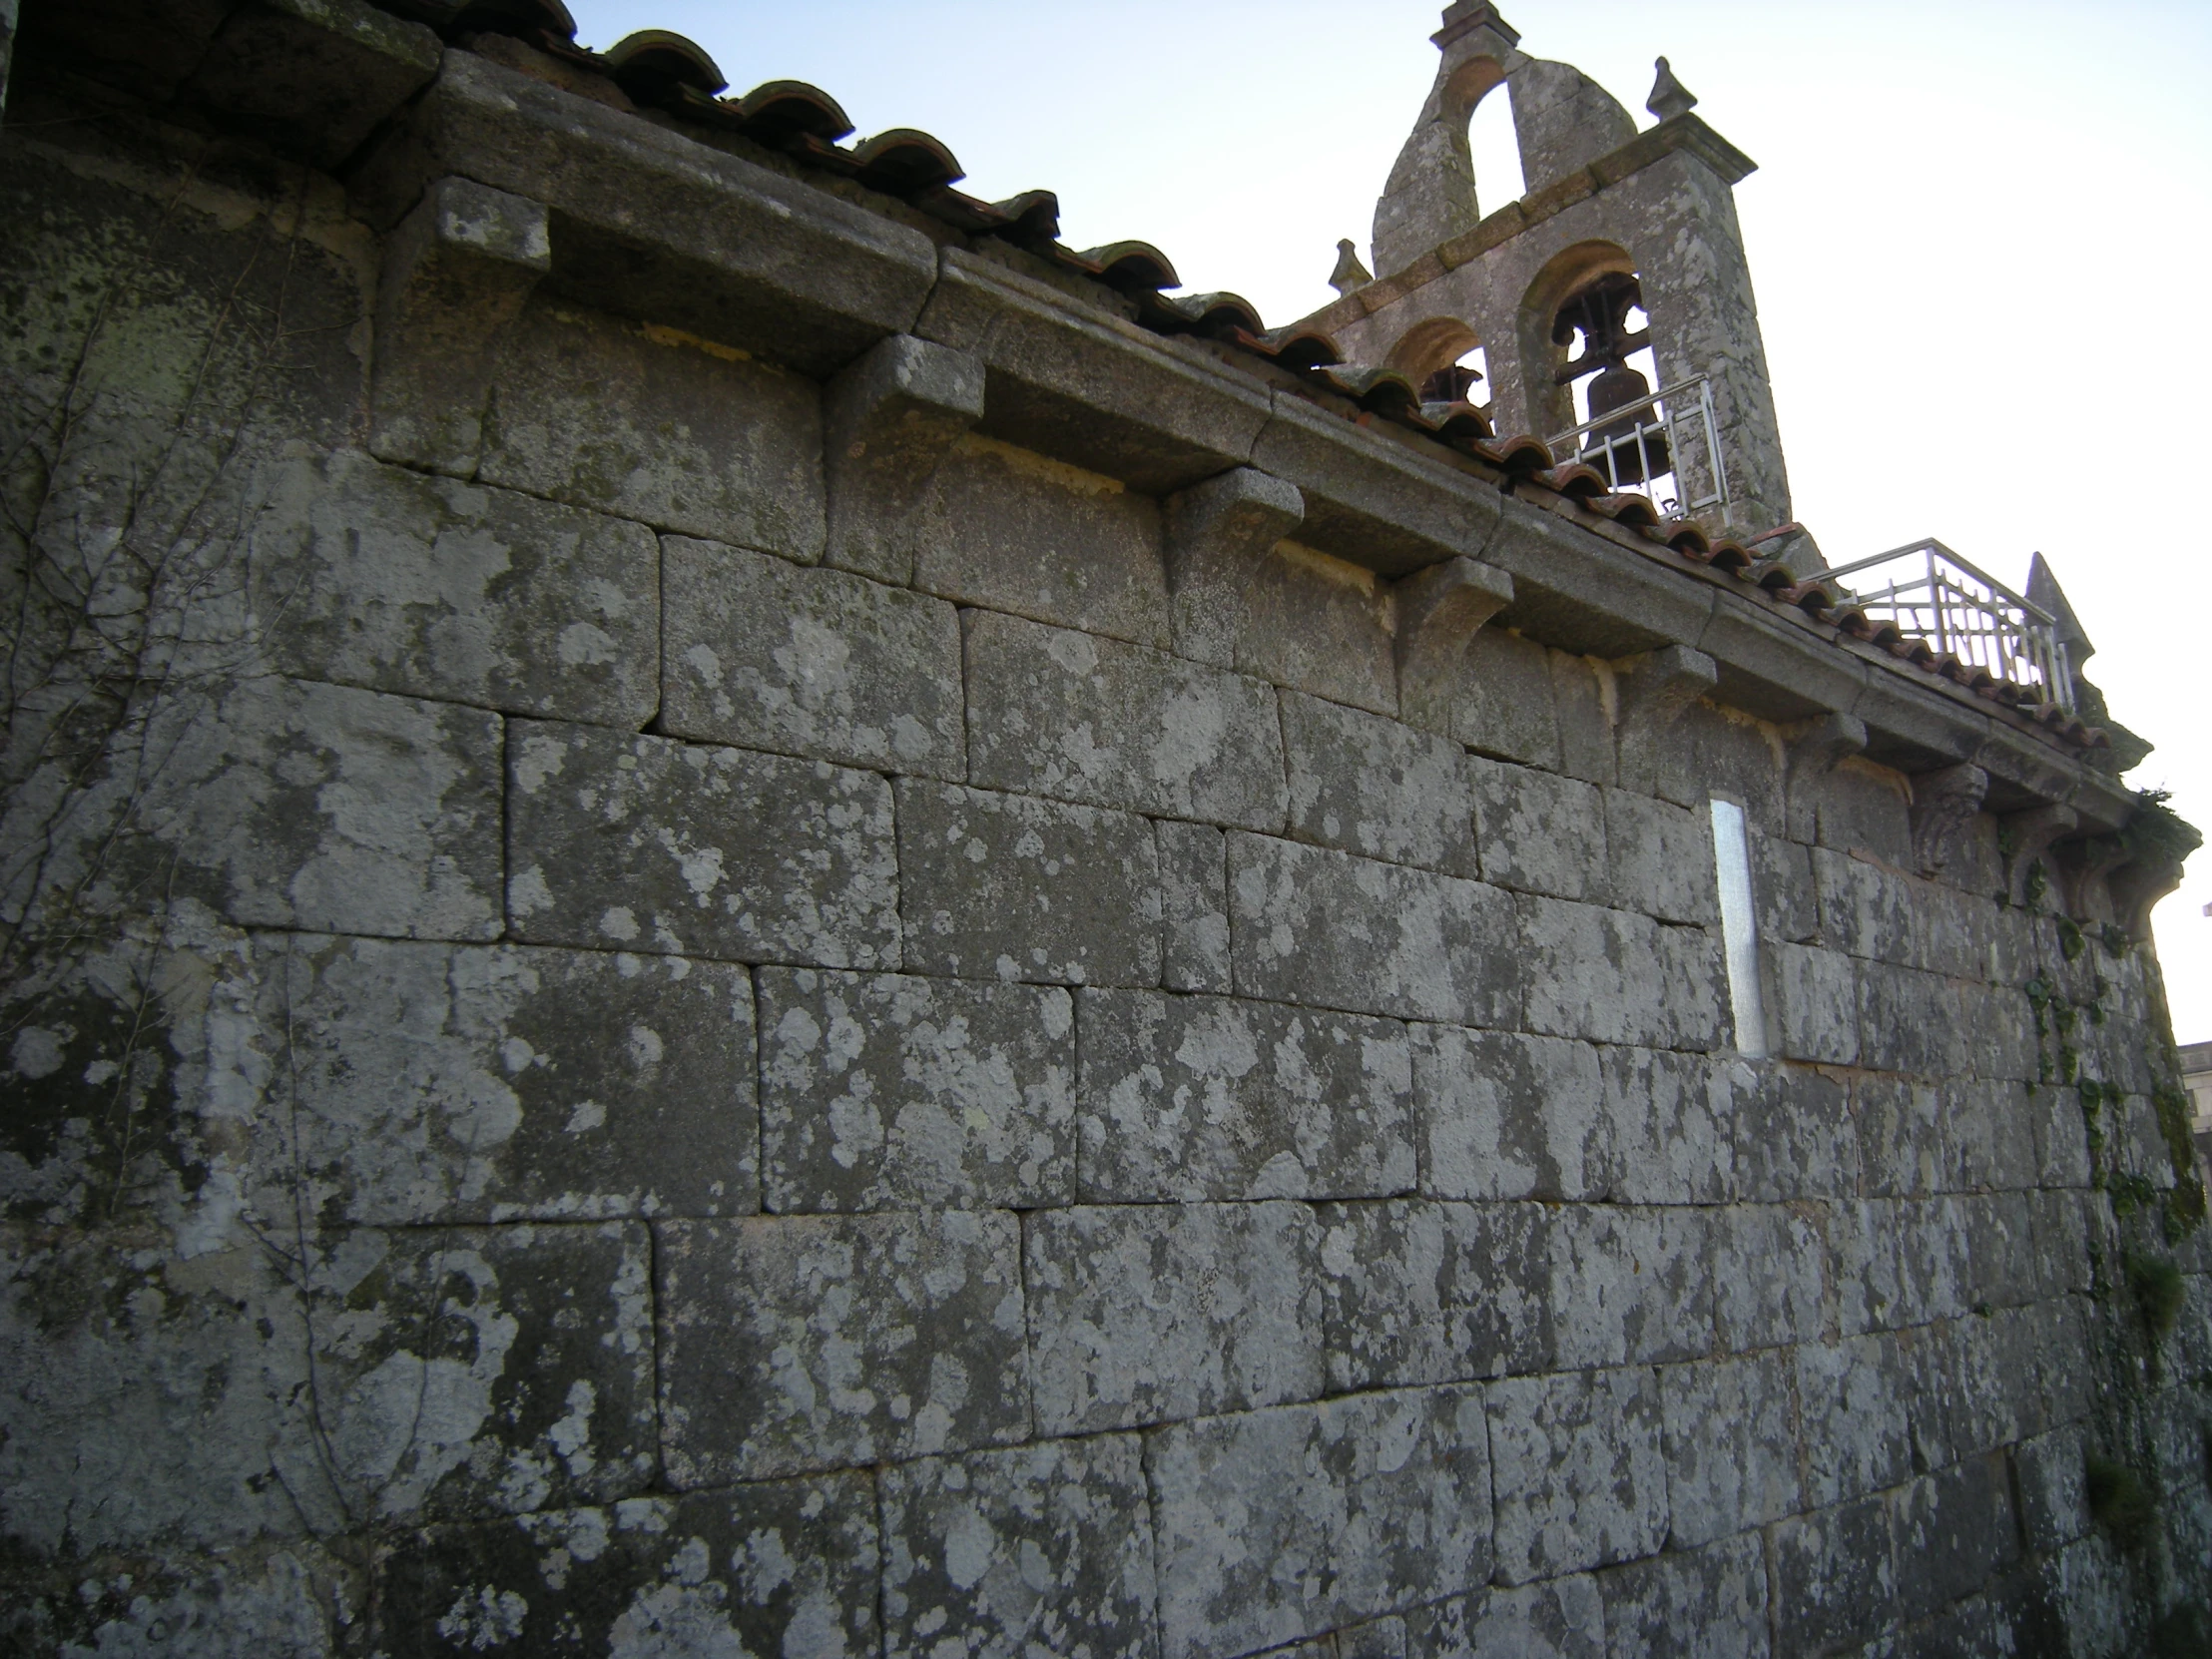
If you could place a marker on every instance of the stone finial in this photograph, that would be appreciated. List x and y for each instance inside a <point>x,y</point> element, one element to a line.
<point>1669,97</point>
<point>1349,274</point>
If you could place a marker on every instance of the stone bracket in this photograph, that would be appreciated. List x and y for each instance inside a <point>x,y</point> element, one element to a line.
<point>2031,832</point>
<point>1943,804</point>
<point>2136,887</point>
<point>1439,609</point>
<point>1216,535</point>
<point>1653,695</point>
<point>1813,756</point>
<point>888,420</point>
<point>457,272</point>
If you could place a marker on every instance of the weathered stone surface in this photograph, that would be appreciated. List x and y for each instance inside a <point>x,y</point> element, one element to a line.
<point>809,1342</point>
<point>371,575</point>
<point>643,843</point>
<point>1795,1136</point>
<point>1866,907</point>
<point>1934,1274</point>
<point>1057,713</point>
<point>1989,1137</point>
<point>653,424</point>
<point>783,1566</point>
<point>1041,1550</point>
<point>1365,784</point>
<point>1901,1137</point>
<point>1769,1265</point>
<point>1193,1097</point>
<point>888,1091</point>
<point>1011,531</point>
<point>1869,1295</point>
<point>1540,833</point>
<point>1955,1529</point>
<point>1502,699</point>
<point>2060,1234</point>
<point>1562,1619</point>
<point>1416,1292</point>
<point>435,1398</point>
<point>1140,1314</point>
<point>815,663</point>
<point>398,1376</point>
<point>1660,858</point>
<point>288,804</point>
<point>1706,1603</point>
<point>1674,1122</point>
<point>1501,1115</point>
<point>1815,1001</point>
<point>1582,697</point>
<point>1833,1578</point>
<point>1635,1286</point>
<point>1618,978</point>
<point>1580,1472</point>
<point>1731,1443</point>
<point>1002,887</point>
<point>1909,1022</point>
<point>1327,929</point>
<point>1294,1520</point>
<point>1853,1402</point>
<point>1317,624</point>
<point>408,1083</point>
<point>1194,907</point>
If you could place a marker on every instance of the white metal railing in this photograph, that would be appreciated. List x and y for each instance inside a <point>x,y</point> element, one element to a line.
<point>1962,612</point>
<point>1685,406</point>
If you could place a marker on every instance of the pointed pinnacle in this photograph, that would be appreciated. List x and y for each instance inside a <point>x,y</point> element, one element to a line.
<point>1350,272</point>
<point>1669,97</point>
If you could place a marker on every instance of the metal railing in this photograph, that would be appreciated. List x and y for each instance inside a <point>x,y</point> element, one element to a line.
<point>1626,457</point>
<point>1962,612</point>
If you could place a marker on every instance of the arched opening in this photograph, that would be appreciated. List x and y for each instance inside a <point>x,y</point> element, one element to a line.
<point>1442,356</point>
<point>1584,320</point>
<point>1494,143</point>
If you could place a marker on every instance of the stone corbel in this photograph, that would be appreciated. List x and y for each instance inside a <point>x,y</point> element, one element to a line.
<point>1438,610</point>
<point>2031,833</point>
<point>1653,695</point>
<point>1813,756</point>
<point>1216,535</point>
<point>2137,888</point>
<point>1943,804</point>
<point>889,421</point>
<point>457,272</point>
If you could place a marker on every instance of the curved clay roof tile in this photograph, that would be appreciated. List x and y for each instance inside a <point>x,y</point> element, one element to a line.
<point>1136,264</point>
<point>777,108</point>
<point>904,160</point>
<point>651,59</point>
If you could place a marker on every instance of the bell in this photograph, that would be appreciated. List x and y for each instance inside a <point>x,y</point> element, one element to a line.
<point>1613,448</point>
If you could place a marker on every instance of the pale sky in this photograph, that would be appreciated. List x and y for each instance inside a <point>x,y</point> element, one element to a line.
<point>1974,233</point>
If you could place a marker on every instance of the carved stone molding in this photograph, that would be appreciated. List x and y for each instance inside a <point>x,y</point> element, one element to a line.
<point>1943,804</point>
<point>457,272</point>
<point>1216,535</point>
<point>1813,756</point>
<point>2031,833</point>
<point>1653,695</point>
<point>889,421</point>
<point>1439,611</point>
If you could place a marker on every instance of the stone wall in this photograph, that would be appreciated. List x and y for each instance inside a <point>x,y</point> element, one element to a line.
<point>899,989</point>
